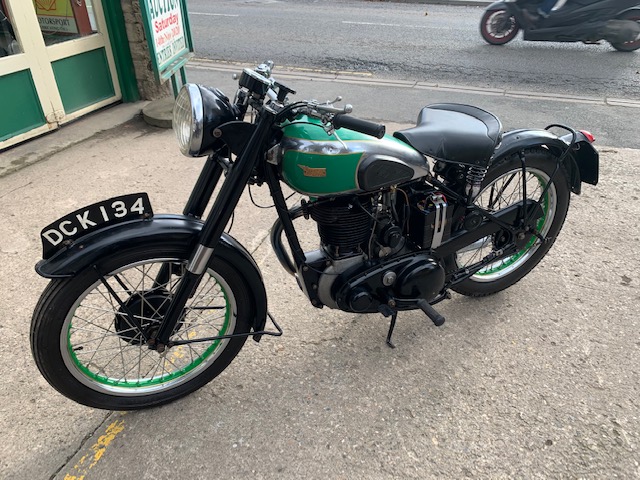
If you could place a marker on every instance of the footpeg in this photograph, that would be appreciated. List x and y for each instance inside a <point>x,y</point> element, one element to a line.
<point>430,312</point>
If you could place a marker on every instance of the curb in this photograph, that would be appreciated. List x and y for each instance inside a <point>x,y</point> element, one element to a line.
<point>366,78</point>
<point>459,3</point>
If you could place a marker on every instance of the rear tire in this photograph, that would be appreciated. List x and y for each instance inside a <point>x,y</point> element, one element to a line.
<point>498,27</point>
<point>633,45</point>
<point>501,188</point>
<point>86,348</point>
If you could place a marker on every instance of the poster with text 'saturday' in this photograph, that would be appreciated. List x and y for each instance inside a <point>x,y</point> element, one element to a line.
<point>168,36</point>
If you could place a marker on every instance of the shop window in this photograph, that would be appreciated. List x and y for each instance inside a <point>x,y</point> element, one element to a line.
<point>62,20</point>
<point>8,41</point>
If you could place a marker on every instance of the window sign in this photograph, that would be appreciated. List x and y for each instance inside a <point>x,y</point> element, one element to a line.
<point>64,19</point>
<point>167,28</point>
<point>56,16</point>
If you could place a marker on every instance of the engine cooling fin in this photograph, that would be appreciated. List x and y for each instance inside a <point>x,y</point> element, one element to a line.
<point>344,225</point>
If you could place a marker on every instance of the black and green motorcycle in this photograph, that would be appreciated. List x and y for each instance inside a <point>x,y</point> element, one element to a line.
<point>144,308</point>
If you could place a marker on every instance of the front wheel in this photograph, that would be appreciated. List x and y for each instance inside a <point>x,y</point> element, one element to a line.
<point>631,45</point>
<point>86,347</point>
<point>498,27</point>
<point>502,187</point>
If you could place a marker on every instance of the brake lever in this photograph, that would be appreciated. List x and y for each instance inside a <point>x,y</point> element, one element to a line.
<point>329,108</point>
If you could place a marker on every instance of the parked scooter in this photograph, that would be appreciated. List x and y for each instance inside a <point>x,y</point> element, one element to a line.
<point>588,21</point>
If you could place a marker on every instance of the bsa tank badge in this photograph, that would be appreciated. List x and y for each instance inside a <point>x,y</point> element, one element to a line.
<point>313,172</point>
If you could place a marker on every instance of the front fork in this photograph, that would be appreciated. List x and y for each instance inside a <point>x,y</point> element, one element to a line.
<point>197,203</point>
<point>231,191</point>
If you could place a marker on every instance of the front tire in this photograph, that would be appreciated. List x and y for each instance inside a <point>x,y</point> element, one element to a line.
<point>498,27</point>
<point>85,346</point>
<point>501,188</point>
<point>634,44</point>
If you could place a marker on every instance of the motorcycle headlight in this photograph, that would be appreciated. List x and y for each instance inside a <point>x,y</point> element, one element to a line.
<point>188,119</point>
<point>197,111</point>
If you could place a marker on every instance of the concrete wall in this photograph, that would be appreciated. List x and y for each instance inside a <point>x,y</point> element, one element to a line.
<point>147,84</point>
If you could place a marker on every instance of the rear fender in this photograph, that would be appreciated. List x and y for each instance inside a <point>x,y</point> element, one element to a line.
<point>171,230</point>
<point>582,163</point>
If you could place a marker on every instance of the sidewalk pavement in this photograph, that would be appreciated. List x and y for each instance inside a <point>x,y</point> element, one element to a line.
<point>56,141</point>
<point>539,381</point>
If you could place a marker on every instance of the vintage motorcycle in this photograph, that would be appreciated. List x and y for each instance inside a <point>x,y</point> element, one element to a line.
<point>588,21</point>
<point>143,308</point>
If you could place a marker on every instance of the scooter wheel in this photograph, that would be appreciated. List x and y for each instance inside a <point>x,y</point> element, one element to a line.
<point>498,27</point>
<point>634,44</point>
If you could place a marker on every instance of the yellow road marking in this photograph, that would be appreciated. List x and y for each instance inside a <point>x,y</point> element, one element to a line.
<point>96,451</point>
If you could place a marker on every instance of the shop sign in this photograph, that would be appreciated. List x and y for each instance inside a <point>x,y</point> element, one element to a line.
<point>167,29</point>
<point>56,16</point>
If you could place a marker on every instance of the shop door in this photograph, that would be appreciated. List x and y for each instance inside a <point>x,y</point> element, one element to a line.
<point>56,64</point>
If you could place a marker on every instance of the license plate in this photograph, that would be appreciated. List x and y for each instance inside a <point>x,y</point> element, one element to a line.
<point>69,228</point>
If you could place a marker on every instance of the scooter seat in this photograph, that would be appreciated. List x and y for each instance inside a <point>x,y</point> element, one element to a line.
<point>455,133</point>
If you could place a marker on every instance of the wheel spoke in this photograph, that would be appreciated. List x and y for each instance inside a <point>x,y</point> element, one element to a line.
<point>504,191</point>
<point>110,354</point>
<point>498,195</point>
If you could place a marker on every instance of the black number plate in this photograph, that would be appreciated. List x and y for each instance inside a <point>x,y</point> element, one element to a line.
<point>93,217</point>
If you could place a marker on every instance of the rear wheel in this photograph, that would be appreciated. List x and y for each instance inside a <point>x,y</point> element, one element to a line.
<point>85,345</point>
<point>633,44</point>
<point>501,188</point>
<point>498,27</point>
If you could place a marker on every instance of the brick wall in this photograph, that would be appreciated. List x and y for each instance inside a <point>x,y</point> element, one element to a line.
<point>147,84</point>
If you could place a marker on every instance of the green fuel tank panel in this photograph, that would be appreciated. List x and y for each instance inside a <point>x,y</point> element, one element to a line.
<point>318,164</point>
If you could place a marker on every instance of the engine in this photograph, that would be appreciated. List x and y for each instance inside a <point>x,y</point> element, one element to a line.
<point>375,249</point>
<point>344,225</point>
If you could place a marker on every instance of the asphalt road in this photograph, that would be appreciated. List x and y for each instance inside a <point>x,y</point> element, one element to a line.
<point>432,43</point>
<point>397,101</point>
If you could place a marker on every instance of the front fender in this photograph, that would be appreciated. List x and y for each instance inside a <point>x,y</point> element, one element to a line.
<point>172,230</point>
<point>582,163</point>
<point>500,5</point>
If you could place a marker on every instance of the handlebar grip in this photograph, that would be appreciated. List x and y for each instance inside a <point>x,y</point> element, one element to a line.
<point>363,126</point>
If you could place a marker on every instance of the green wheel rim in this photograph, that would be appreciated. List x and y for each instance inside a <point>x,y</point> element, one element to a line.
<point>108,360</point>
<point>536,182</point>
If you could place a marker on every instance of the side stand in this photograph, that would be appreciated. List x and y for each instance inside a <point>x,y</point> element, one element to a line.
<point>388,312</point>
<point>421,303</point>
<point>391,327</point>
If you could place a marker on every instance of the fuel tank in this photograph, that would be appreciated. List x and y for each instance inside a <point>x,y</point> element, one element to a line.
<point>317,164</point>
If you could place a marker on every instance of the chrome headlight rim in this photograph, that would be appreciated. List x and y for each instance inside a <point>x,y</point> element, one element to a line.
<point>192,146</point>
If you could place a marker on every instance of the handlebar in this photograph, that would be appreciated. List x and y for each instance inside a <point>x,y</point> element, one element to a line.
<point>260,83</point>
<point>363,126</point>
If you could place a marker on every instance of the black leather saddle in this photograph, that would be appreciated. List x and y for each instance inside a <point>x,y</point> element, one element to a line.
<point>455,133</point>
